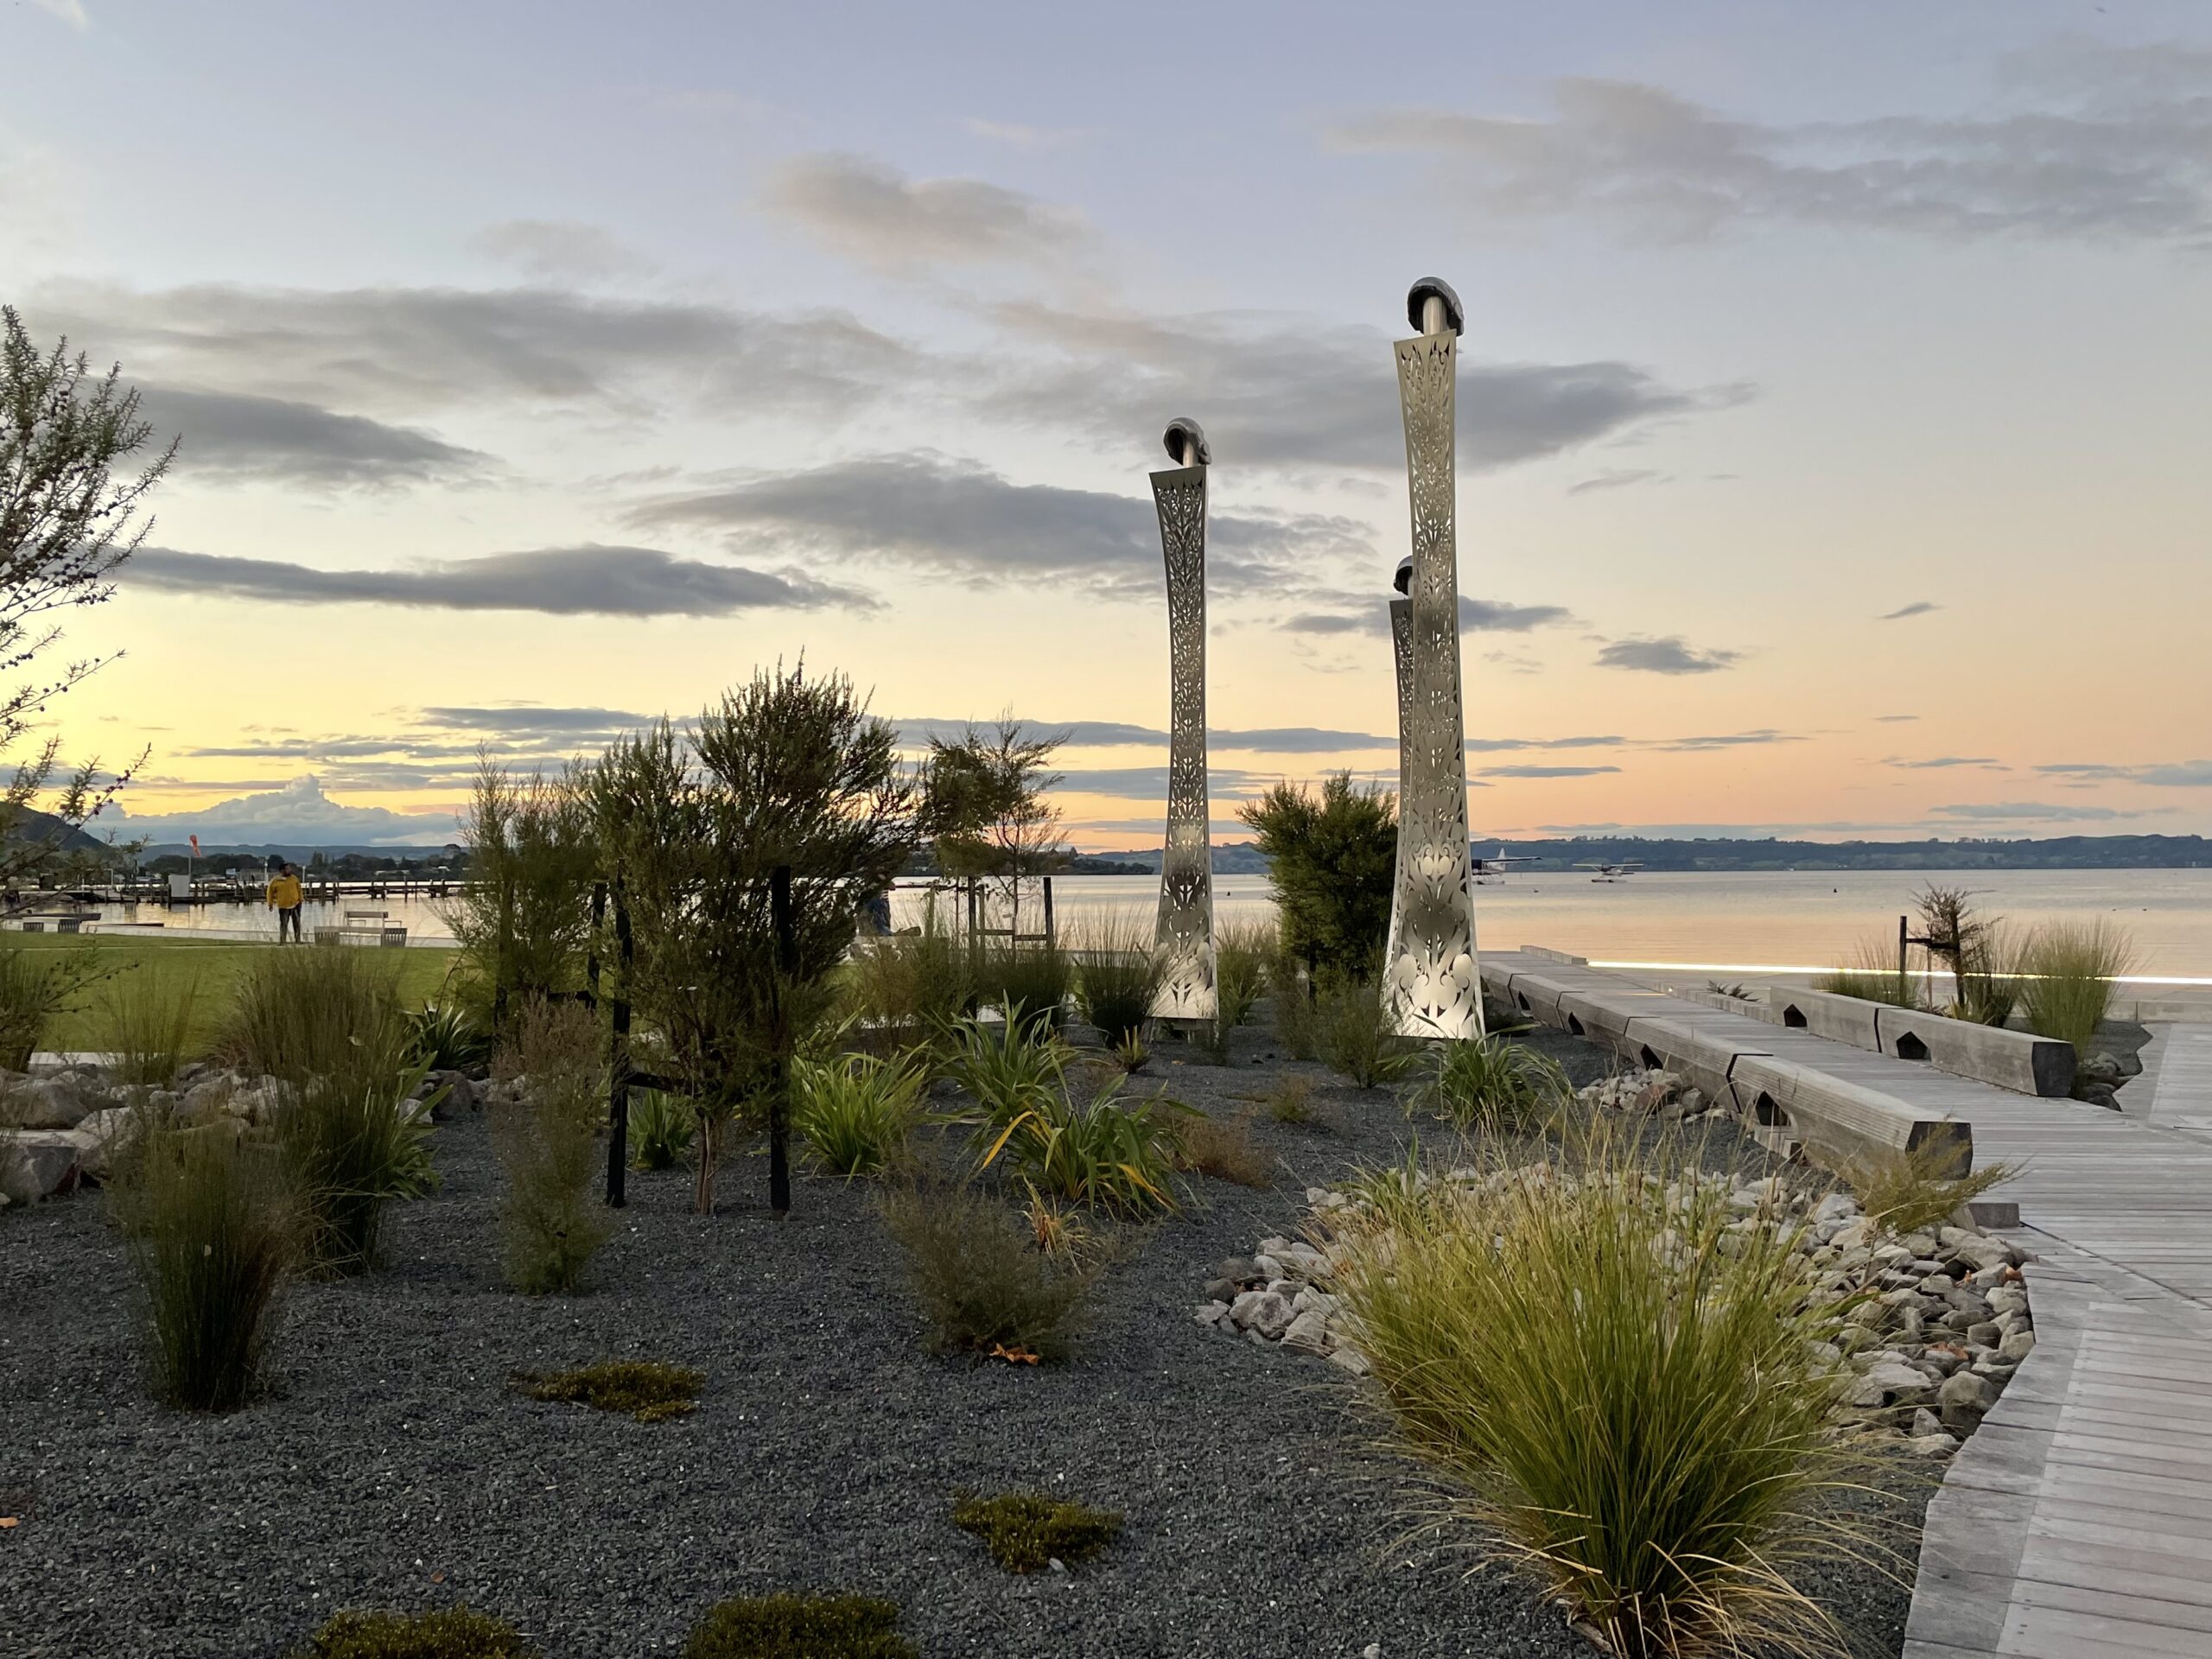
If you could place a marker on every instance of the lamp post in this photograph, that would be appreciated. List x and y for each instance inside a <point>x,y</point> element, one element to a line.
<point>1184,936</point>
<point>1430,979</point>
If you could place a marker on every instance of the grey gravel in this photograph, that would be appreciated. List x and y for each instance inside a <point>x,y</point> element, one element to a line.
<point>394,1468</point>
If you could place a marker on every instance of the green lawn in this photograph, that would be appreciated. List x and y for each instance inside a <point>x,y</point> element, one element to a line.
<point>212,967</point>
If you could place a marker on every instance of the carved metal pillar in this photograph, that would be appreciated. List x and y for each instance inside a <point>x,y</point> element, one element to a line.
<point>1430,979</point>
<point>1402,657</point>
<point>1184,937</point>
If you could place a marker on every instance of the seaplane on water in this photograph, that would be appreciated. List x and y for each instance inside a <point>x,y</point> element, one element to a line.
<point>1491,871</point>
<point>1613,871</point>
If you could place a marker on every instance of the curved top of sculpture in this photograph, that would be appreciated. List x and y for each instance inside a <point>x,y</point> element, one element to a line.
<point>1435,287</point>
<point>1404,581</point>
<point>1186,443</point>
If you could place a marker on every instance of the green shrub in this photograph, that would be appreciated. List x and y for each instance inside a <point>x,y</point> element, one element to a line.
<point>647,1389</point>
<point>1911,1191</point>
<point>145,1025</point>
<point>1633,1414</point>
<point>357,1140</point>
<point>661,1128</point>
<point>1118,974</point>
<point>1005,1066</point>
<point>1107,1153</point>
<point>1241,951</point>
<point>1296,1009</point>
<point>2071,966</point>
<point>1026,1532</point>
<point>1332,858</point>
<point>912,982</point>
<point>1222,1148</point>
<point>445,1037</point>
<point>800,1627</point>
<point>856,1114</point>
<point>1291,1102</point>
<point>214,1231</point>
<point>982,1284</point>
<point>35,986</point>
<point>1493,1086</point>
<point>551,1223</point>
<point>1354,1038</point>
<point>1033,980</point>
<point>451,1633</point>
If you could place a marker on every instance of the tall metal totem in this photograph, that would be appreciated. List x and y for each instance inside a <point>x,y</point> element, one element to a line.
<point>1402,655</point>
<point>1430,978</point>
<point>1185,933</point>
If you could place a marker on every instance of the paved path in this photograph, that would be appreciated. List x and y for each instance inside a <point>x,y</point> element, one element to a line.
<point>2076,1524</point>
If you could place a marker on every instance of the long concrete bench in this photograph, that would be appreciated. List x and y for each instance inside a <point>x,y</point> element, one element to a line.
<point>2011,1059</point>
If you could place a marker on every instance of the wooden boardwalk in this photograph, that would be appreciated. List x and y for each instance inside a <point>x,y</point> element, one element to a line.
<point>2076,1523</point>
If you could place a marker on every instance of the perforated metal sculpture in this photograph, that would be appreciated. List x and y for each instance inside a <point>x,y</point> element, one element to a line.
<point>1401,659</point>
<point>1184,937</point>
<point>1430,979</point>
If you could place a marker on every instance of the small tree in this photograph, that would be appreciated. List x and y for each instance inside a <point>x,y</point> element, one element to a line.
<point>523,920</point>
<point>984,805</point>
<point>66,524</point>
<point>1332,858</point>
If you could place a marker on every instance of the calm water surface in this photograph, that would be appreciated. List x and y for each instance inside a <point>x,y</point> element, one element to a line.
<point>1761,920</point>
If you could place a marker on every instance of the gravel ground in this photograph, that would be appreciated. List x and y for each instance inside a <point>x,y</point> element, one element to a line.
<point>395,1468</point>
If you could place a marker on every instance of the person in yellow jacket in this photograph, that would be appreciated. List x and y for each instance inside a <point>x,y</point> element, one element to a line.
<point>283,897</point>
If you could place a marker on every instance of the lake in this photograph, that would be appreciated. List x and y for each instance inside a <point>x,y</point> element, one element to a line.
<point>1772,920</point>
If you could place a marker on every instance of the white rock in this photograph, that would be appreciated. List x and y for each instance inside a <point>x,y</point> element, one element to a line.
<point>1266,1312</point>
<point>35,1164</point>
<point>2017,1347</point>
<point>1212,1313</point>
<point>1932,1445</point>
<point>1350,1359</point>
<point>1307,1334</point>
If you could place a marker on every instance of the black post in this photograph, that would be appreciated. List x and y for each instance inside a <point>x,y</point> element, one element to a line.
<point>618,1069</point>
<point>591,958</point>
<point>1901,957</point>
<point>1052,941</point>
<point>780,1165</point>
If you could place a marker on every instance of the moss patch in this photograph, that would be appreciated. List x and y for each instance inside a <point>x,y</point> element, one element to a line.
<point>1026,1531</point>
<point>454,1633</point>
<point>800,1627</point>
<point>646,1388</point>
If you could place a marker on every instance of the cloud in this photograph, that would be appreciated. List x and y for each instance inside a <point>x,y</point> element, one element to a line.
<point>1893,720</point>
<point>2171,774</point>
<point>71,12</point>
<point>297,812</point>
<point>234,434</point>
<point>1728,741</point>
<point>1475,616</point>
<point>2029,812</point>
<point>2086,142</point>
<point>965,520</point>
<point>1669,655</point>
<point>1942,761</point>
<point>2187,774</point>
<point>588,581</point>
<point>1918,607</point>
<point>874,212</point>
<point>410,350</point>
<point>1294,392</point>
<point>514,718</point>
<point>551,249</point>
<point>1150,783</point>
<point>1545,772</point>
<point>1618,479</point>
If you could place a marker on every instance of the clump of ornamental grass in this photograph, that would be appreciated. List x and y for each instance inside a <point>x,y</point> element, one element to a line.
<point>357,1141</point>
<point>800,1627</point>
<point>317,1008</point>
<point>1292,998</point>
<point>550,1224</point>
<point>648,1390</point>
<point>1222,1147</point>
<point>2071,968</point>
<point>1922,1188</point>
<point>1118,974</point>
<point>661,1126</point>
<point>1490,1084</point>
<point>214,1229</point>
<point>1615,1394</point>
<point>909,983</point>
<point>1005,1066</point>
<point>984,1285</point>
<point>445,1037</point>
<point>1291,1102</point>
<point>448,1633</point>
<point>144,1022</point>
<point>1874,975</point>
<point>1355,1037</point>
<point>1106,1153</point>
<point>1026,1532</point>
<point>1242,950</point>
<point>856,1114</point>
<point>1033,981</point>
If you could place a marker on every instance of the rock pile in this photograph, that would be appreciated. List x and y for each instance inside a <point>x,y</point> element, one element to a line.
<point>1938,1325</point>
<point>1667,1096</point>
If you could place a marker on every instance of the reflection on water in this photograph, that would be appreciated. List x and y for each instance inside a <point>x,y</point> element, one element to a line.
<point>1763,918</point>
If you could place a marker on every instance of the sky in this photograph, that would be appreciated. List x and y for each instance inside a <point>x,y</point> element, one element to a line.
<point>1831,400</point>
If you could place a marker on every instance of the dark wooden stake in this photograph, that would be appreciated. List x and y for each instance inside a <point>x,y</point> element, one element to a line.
<point>591,958</point>
<point>780,1163</point>
<point>618,1067</point>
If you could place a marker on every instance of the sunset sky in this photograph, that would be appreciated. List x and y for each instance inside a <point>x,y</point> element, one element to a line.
<point>1832,436</point>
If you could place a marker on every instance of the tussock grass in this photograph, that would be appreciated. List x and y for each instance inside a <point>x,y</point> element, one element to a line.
<point>912,981</point>
<point>1032,980</point>
<point>1241,951</point>
<point>856,1114</point>
<point>146,1024</point>
<point>648,1390</point>
<point>1614,1402</point>
<point>800,1627</point>
<point>449,1633</point>
<point>1493,1086</point>
<point>1910,1191</point>
<point>316,1009</point>
<point>551,1223</point>
<point>1354,1038</point>
<point>214,1229</point>
<point>1026,1532</point>
<point>983,1283</point>
<point>1005,1066</point>
<point>1222,1148</point>
<point>1118,974</point>
<point>1872,976</point>
<point>2071,966</point>
<point>1296,1007</point>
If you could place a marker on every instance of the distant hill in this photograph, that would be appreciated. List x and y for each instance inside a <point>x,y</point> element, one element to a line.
<point>31,825</point>
<point>2058,852</point>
